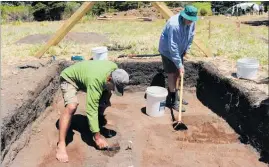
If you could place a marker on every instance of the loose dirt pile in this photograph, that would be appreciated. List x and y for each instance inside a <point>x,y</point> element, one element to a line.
<point>150,12</point>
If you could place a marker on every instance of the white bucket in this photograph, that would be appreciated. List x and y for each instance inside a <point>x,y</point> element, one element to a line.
<point>99,53</point>
<point>247,68</point>
<point>156,97</point>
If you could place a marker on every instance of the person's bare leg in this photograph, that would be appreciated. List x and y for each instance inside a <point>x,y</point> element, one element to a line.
<point>64,124</point>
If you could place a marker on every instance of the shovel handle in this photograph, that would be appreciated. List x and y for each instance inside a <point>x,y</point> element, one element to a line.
<point>180,95</point>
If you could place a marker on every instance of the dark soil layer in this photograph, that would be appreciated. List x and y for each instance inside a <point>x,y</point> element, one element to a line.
<point>257,23</point>
<point>246,112</point>
<point>143,73</point>
<point>24,96</point>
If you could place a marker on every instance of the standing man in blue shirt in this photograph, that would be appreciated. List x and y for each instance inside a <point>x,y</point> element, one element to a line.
<point>175,43</point>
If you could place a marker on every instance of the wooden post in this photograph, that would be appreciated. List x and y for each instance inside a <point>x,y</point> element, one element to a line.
<point>167,13</point>
<point>66,27</point>
<point>238,25</point>
<point>209,29</point>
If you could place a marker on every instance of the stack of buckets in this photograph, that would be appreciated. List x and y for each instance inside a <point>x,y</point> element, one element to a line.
<point>100,53</point>
<point>156,98</point>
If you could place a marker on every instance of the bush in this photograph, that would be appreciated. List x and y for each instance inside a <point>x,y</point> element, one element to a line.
<point>48,10</point>
<point>70,8</point>
<point>203,12</point>
<point>203,5</point>
<point>16,13</point>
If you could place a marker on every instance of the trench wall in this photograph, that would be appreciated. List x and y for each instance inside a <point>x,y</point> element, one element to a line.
<point>246,112</point>
<point>20,117</point>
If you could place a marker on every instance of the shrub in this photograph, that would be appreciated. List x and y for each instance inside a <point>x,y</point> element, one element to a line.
<point>203,12</point>
<point>203,5</point>
<point>16,13</point>
<point>70,8</point>
<point>48,10</point>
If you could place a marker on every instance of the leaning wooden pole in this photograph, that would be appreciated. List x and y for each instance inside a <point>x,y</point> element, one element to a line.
<point>167,13</point>
<point>66,27</point>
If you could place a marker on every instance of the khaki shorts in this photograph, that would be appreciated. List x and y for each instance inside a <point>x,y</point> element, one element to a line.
<point>69,92</point>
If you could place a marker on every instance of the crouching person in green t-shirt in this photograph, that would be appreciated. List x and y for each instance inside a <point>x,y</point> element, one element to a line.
<point>93,77</point>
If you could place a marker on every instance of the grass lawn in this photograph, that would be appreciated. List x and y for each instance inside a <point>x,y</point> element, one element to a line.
<point>143,37</point>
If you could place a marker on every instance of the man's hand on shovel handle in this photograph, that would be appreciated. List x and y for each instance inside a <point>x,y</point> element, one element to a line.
<point>181,70</point>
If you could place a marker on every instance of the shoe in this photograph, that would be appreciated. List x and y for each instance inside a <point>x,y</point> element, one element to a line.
<point>184,102</point>
<point>176,107</point>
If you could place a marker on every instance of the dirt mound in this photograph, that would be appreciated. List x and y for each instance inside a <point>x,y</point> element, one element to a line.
<point>143,12</point>
<point>78,37</point>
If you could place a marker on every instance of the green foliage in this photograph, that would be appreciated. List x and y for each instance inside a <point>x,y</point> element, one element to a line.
<point>14,13</point>
<point>70,8</point>
<point>175,4</point>
<point>98,8</point>
<point>203,12</point>
<point>48,10</point>
<point>203,5</point>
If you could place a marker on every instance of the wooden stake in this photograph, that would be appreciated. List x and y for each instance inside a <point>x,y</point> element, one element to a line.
<point>167,13</point>
<point>209,29</point>
<point>66,27</point>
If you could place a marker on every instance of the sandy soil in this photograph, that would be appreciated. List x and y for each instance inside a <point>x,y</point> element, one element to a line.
<point>209,141</point>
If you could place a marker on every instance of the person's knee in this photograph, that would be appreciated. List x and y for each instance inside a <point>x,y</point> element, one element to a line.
<point>71,108</point>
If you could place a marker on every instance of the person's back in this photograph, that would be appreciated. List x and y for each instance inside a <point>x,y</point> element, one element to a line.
<point>85,73</point>
<point>176,27</point>
<point>97,78</point>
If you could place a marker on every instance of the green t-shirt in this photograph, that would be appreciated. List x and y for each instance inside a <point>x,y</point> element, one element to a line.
<point>90,76</point>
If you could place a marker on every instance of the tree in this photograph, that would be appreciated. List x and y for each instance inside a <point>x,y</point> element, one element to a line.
<point>48,10</point>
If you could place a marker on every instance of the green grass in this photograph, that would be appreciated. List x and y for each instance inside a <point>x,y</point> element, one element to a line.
<point>226,41</point>
<point>203,5</point>
<point>142,36</point>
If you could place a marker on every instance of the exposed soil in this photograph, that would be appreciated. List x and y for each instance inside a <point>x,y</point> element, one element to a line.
<point>209,141</point>
<point>150,12</point>
<point>245,110</point>
<point>25,93</point>
<point>78,37</point>
<point>263,21</point>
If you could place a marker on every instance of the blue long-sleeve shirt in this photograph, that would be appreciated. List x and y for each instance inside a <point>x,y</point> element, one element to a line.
<point>176,39</point>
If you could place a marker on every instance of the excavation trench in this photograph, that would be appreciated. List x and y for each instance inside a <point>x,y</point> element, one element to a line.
<point>225,122</point>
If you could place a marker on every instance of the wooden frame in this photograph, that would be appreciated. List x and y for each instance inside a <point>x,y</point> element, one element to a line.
<point>66,27</point>
<point>85,7</point>
<point>167,13</point>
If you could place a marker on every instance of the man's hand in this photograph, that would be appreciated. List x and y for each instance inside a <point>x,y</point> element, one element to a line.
<point>186,56</point>
<point>181,70</point>
<point>100,141</point>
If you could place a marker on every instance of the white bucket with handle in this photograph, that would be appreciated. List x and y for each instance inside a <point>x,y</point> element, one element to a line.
<point>247,68</point>
<point>156,100</point>
<point>100,53</point>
